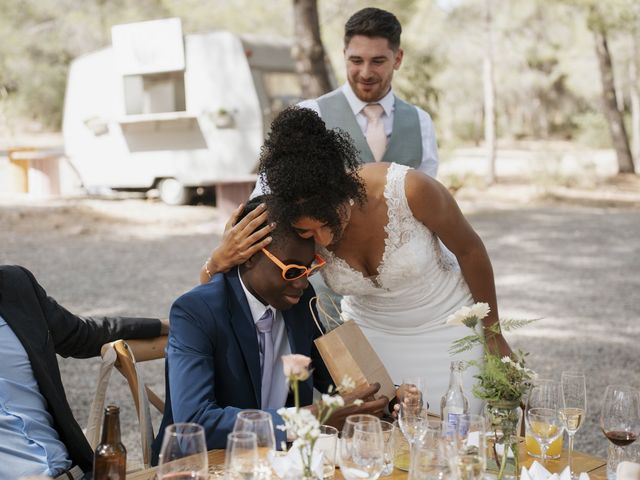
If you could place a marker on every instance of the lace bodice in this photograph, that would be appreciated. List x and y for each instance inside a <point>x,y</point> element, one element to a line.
<point>412,253</point>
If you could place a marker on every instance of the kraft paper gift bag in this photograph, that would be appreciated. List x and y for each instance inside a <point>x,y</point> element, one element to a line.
<point>346,351</point>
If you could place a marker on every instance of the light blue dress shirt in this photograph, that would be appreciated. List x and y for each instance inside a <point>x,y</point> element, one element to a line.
<point>29,444</point>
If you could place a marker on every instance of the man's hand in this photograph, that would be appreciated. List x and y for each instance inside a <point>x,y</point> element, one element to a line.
<point>238,241</point>
<point>370,406</point>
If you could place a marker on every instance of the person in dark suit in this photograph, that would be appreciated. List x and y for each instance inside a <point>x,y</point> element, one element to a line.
<point>218,360</point>
<point>38,433</point>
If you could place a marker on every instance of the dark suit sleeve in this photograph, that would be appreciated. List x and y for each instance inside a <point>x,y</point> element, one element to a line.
<point>82,337</point>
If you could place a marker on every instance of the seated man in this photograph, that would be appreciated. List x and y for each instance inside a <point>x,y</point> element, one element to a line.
<point>38,434</point>
<point>215,364</point>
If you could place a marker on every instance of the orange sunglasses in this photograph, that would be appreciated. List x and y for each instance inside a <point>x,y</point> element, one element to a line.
<point>293,272</point>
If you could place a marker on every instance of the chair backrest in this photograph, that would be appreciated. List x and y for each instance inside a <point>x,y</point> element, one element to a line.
<point>124,355</point>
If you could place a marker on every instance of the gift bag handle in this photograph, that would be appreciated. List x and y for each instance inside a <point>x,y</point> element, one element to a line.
<point>325,313</point>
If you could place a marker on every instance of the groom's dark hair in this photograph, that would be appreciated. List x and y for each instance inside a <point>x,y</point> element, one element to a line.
<point>281,232</point>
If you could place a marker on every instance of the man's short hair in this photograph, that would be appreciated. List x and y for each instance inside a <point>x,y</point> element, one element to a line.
<point>282,232</point>
<point>374,22</point>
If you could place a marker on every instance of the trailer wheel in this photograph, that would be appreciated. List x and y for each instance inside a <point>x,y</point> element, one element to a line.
<point>172,192</point>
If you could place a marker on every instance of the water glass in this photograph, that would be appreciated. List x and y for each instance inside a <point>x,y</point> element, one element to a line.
<point>361,448</point>
<point>431,458</point>
<point>241,457</point>
<point>387,437</point>
<point>400,448</point>
<point>260,423</point>
<point>327,443</point>
<point>183,453</point>
<point>469,444</point>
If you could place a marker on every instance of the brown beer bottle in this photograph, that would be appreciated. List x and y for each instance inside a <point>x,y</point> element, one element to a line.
<point>110,458</point>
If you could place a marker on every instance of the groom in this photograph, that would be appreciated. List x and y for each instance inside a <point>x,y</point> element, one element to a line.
<point>228,336</point>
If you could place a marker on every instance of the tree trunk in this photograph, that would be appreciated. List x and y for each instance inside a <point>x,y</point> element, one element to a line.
<point>634,95</point>
<point>308,51</point>
<point>614,117</point>
<point>489,97</point>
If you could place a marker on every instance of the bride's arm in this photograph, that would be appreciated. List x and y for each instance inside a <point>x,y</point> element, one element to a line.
<point>433,205</point>
<point>240,241</point>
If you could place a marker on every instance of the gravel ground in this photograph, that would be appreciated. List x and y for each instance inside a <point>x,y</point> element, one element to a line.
<point>574,267</point>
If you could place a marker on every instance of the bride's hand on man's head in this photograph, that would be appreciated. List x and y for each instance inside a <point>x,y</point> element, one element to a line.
<point>240,241</point>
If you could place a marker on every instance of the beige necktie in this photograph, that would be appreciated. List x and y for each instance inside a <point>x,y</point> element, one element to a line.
<point>376,138</point>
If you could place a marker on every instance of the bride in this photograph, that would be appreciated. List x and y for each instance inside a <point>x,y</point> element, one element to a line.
<point>383,229</point>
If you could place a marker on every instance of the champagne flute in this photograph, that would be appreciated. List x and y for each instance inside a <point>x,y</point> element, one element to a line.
<point>619,421</point>
<point>574,407</point>
<point>241,457</point>
<point>412,413</point>
<point>184,453</point>
<point>260,423</point>
<point>542,415</point>
<point>361,448</point>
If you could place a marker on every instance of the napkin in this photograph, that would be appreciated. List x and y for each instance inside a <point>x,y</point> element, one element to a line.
<point>538,472</point>
<point>628,471</point>
<point>292,462</point>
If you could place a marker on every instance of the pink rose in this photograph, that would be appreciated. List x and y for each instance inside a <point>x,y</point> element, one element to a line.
<point>296,367</point>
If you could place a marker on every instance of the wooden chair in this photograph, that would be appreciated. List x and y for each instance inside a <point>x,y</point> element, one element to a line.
<point>124,355</point>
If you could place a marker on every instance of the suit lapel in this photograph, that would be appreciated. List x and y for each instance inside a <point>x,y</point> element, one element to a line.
<point>245,331</point>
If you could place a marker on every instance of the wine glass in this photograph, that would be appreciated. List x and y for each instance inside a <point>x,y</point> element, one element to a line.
<point>361,448</point>
<point>543,414</point>
<point>183,454</point>
<point>574,407</point>
<point>241,457</point>
<point>260,423</point>
<point>619,421</point>
<point>412,414</point>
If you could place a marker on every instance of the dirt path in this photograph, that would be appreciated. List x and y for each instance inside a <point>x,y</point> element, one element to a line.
<point>576,268</point>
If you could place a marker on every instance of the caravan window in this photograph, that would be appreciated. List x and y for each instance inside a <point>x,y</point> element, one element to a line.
<point>154,93</point>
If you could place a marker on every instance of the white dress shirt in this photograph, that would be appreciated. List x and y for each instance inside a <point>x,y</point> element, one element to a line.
<point>280,387</point>
<point>429,162</point>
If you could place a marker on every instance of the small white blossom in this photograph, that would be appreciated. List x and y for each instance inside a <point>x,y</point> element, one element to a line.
<point>358,401</point>
<point>505,359</point>
<point>347,384</point>
<point>480,310</point>
<point>332,401</point>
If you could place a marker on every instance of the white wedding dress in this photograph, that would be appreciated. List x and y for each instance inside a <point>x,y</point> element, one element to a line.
<point>402,311</point>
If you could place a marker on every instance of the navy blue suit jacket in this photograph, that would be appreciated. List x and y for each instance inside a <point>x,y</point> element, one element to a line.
<point>213,363</point>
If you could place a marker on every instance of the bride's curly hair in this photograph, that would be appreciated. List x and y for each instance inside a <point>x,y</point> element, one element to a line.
<point>311,171</point>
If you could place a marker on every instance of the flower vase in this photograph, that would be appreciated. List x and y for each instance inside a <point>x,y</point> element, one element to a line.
<point>503,419</point>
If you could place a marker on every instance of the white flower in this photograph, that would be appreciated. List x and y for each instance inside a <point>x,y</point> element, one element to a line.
<point>480,310</point>
<point>505,359</point>
<point>347,384</point>
<point>468,316</point>
<point>332,401</point>
<point>358,401</point>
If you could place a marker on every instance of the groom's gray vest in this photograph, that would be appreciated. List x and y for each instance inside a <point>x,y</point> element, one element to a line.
<point>405,144</point>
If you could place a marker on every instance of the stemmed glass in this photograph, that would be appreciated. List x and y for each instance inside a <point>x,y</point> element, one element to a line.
<point>183,454</point>
<point>260,423</point>
<point>361,448</point>
<point>543,414</point>
<point>574,407</point>
<point>413,418</point>
<point>619,421</point>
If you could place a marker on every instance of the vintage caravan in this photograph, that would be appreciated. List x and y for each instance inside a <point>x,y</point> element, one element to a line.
<point>172,112</point>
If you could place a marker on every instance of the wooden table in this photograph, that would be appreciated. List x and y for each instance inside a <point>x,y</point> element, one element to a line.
<point>596,467</point>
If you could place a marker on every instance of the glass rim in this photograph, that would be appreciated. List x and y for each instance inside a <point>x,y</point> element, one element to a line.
<point>184,428</point>
<point>242,435</point>
<point>253,415</point>
<point>363,417</point>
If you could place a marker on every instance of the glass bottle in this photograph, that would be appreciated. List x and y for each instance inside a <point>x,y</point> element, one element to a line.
<point>110,458</point>
<point>454,402</point>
